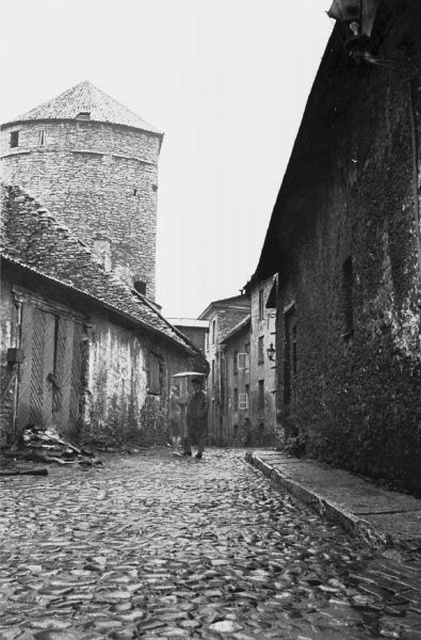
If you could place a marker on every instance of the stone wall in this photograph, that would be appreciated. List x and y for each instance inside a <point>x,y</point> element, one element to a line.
<point>353,270</point>
<point>98,179</point>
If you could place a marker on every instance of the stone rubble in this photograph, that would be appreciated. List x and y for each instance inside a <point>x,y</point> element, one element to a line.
<point>151,546</point>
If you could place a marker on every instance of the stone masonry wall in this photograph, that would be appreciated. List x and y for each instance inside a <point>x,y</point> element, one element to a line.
<point>96,179</point>
<point>357,399</point>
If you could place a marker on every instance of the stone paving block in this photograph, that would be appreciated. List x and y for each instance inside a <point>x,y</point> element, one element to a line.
<point>171,549</point>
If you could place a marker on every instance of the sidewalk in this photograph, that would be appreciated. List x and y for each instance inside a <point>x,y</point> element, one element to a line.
<point>379,516</point>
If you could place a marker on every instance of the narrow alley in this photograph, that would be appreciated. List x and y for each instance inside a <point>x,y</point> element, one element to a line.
<point>150,546</point>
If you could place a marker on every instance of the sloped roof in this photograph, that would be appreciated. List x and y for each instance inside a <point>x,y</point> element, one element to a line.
<point>33,238</point>
<point>238,328</point>
<point>85,98</point>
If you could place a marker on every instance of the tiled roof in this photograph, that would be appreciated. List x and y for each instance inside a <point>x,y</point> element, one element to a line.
<point>85,98</point>
<point>32,237</point>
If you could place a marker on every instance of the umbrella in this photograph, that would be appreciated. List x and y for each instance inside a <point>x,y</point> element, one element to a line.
<point>186,374</point>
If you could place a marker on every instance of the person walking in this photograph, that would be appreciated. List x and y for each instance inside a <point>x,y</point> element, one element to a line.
<point>176,419</point>
<point>197,419</point>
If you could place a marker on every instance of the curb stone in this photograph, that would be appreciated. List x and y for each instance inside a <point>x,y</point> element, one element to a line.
<point>355,526</point>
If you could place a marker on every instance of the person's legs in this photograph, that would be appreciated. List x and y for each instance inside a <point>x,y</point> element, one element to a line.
<point>199,441</point>
<point>187,445</point>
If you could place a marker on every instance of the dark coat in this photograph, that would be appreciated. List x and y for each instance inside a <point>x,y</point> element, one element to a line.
<point>197,411</point>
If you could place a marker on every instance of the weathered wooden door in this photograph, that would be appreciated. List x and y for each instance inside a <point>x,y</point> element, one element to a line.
<point>50,376</point>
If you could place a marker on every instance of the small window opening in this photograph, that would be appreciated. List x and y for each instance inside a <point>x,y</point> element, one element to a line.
<point>235,400</point>
<point>261,305</point>
<point>140,287</point>
<point>14,139</point>
<point>260,353</point>
<point>83,115</point>
<point>235,371</point>
<point>41,138</point>
<point>261,396</point>
<point>135,192</point>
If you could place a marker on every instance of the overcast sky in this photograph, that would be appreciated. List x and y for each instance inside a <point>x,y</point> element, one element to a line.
<point>226,80</point>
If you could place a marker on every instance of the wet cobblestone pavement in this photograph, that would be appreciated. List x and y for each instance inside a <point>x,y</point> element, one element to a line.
<point>151,546</point>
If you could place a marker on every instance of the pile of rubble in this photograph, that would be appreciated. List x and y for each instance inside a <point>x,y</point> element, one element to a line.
<point>39,444</point>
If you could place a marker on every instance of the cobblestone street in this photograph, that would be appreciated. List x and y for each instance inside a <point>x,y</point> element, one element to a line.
<point>151,546</point>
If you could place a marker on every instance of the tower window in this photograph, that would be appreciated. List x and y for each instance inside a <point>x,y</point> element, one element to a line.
<point>140,286</point>
<point>261,396</point>
<point>14,139</point>
<point>135,192</point>
<point>41,138</point>
<point>83,115</point>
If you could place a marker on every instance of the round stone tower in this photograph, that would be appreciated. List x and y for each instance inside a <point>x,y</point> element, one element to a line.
<point>94,164</point>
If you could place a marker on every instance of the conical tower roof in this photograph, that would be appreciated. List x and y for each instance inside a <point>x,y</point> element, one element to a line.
<point>87,101</point>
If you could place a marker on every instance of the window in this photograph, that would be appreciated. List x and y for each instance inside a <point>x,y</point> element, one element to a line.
<point>213,331</point>
<point>236,400</point>
<point>260,353</point>
<point>261,396</point>
<point>243,360</point>
<point>155,375</point>
<point>140,286</point>
<point>261,305</point>
<point>243,401</point>
<point>235,363</point>
<point>14,139</point>
<point>347,298</point>
<point>41,138</point>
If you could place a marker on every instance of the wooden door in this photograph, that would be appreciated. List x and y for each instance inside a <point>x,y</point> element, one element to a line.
<point>49,382</point>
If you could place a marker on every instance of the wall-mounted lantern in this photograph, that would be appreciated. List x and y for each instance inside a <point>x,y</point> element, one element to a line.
<point>271,352</point>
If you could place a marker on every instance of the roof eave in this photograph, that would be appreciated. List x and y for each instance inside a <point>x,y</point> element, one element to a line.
<point>98,303</point>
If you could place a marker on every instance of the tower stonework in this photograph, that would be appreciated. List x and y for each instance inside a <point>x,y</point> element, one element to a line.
<point>94,164</point>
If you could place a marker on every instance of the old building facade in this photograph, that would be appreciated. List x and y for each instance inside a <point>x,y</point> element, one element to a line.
<point>262,362</point>
<point>80,349</point>
<point>222,316</point>
<point>94,164</point>
<point>235,385</point>
<point>344,239</point>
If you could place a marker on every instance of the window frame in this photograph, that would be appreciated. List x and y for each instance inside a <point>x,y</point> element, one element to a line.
<point>14,139</point>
